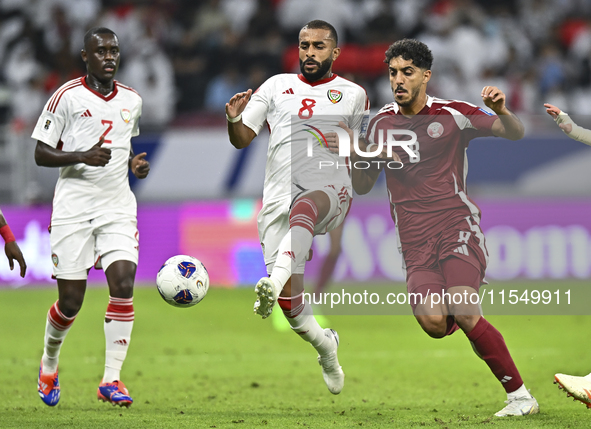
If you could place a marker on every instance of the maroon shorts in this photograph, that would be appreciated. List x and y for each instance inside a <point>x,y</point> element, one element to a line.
<point>456,256</point>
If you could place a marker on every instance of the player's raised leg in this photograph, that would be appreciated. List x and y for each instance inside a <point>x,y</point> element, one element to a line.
<point>60,318</point>
<point>307,211</point>
<point>118,326</point>
<point>577,387</point>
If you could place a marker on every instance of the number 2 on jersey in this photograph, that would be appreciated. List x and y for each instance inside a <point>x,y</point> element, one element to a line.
<point>306,111</point>
<point>109,128</point>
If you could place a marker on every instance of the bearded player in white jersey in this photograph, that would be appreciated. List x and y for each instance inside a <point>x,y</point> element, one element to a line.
<point>307,188</point>
<point>86,129</point>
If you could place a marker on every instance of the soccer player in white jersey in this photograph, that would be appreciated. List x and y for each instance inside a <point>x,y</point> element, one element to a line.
<point>13,252</point>
<point>86,129</point>
<point>300,198</point>
<point>575,386</point>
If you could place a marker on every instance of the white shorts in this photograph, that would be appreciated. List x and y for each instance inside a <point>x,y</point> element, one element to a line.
<point>99,242</point>
<point>273,222</point>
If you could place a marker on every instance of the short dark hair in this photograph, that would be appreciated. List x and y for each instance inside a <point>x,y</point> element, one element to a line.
<point>319,24</point>
<point>411,49</point>
<point>96,30</point>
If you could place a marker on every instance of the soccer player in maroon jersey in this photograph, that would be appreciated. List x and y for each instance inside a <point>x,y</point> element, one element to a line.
<point>13,252</point>
<point>438,226</point>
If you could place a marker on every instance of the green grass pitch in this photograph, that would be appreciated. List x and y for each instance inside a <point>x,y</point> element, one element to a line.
<point>219,366</point>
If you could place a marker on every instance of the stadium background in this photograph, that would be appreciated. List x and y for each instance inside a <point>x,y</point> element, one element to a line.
<point>187,58</point>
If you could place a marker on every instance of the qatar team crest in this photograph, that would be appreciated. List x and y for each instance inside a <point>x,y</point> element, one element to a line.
<point>126,115</point>
<point>334,96</point>
<point>435,129</point>
<point>55,259</point>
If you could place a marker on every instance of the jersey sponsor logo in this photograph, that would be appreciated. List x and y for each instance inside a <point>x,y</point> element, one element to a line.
<point>126,115</point>
<point>435,129</point>
<point>55,259</point>
<point>86,114</point>
<point>47,124</point>
<point>288,91</point>
<point>334,96</point>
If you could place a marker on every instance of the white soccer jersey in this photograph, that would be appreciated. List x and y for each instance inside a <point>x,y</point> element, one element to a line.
<point>74,119</point>
<point>298,114</point>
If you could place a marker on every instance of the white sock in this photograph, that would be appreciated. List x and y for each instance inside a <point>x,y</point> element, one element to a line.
<point>56,329</point>
<point>522,392</point>
<point>118,337</point>
<point>306,326</point>
<point>292,250</point>
<point>588,377</point>
<point>53,344</point>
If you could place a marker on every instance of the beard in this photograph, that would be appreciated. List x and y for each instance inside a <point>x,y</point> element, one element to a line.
<point>322,69</point>
<point>413,96</point>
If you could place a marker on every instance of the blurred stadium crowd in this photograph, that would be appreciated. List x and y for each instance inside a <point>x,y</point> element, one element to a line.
<point>190,56</point>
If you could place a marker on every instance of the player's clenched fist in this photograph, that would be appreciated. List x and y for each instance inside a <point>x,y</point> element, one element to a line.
<point>493,98</point>
<point>97,156</point>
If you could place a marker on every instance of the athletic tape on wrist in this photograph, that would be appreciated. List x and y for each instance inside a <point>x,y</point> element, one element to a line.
<point>7,234</point>
<point>234,120</point>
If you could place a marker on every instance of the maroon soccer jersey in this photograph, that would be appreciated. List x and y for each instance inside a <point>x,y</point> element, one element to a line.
<point>433,182</point>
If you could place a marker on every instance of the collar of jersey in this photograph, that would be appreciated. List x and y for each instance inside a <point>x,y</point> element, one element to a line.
<point>98,94</point>
<point>318,82</point>
<point>423,111</point>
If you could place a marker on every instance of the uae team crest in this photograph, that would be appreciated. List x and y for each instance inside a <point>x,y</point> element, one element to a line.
<point>126,115</point>
<point>334,96</point>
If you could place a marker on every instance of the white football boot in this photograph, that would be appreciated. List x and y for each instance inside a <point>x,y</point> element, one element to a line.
<point>577,387</point>
<point>332,372</point>
<point>267,295</point>
<point>522,406</point>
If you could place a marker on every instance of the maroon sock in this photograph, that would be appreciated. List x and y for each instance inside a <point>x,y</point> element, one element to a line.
<point>490,345</point>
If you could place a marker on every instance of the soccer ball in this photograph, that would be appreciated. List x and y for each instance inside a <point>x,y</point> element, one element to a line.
<point>182,281</point>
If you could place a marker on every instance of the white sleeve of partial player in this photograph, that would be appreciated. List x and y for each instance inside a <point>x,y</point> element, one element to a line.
<point>50,125</point>
<point>255,113</point>
<point>580,134</point>
<point>360,118</point>
<point>136,123</point>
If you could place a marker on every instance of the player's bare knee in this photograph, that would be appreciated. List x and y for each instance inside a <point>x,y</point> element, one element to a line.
<point>122,289</point>
<point>434,325</point>
<point>70,305</point>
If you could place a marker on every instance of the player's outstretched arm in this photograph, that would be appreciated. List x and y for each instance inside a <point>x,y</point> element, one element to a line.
<point>139,166</point>
<point>240,135</point>
<point>508,125</point>
<point>13,252</point>
<point>47,156</point>
<point>567,125</point>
